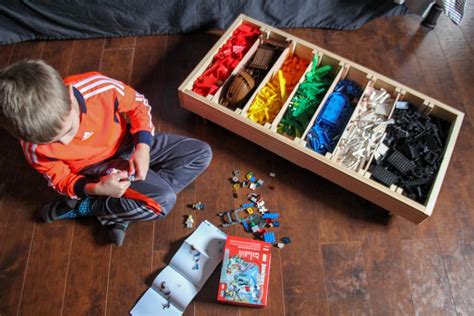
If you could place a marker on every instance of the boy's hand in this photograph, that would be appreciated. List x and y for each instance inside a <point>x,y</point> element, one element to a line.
<point>140,162</point>
<point>113,185</point>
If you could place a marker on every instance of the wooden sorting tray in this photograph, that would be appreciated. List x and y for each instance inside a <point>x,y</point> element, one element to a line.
<point>294,149</point>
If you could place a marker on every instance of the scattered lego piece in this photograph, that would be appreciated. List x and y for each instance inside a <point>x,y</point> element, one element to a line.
<point>272,174</point>
<point>276,223</point>
<point>198,206</point>
<point>262,210</point>
<point>246,226</point>
<point>227,217</point>
<point>236,173</point>
<point>235,179</point>
<point>280,245</point>
<point>254,229</point>
<point>286,240</point>
<point>254,197</point>
<point>253,186</point>
<point>269,237</point>
<point>249,210</point>
<point>245,205</point>
<point>270,215</point>
<point>260,182</point>
<point>249,175</point>
<point>189,221</point>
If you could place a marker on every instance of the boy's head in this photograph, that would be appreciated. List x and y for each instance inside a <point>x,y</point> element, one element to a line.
<point>35,104</point>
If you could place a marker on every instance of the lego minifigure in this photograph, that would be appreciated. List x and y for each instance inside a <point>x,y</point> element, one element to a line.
<point>189,221</point>
<point>198,206</point>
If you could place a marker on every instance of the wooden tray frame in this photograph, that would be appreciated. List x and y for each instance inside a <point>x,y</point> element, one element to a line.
<point>295,151</point>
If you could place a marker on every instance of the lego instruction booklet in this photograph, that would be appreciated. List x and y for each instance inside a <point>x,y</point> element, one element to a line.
<point>177,284</point>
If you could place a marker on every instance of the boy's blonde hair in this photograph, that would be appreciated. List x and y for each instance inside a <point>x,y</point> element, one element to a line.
<point>34,101</point>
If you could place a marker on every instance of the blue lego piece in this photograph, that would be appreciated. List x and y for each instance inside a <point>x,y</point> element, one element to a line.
<point>276,224</point>
<point>252,179</point>
<point>270,215</point>
<point>246,226</point>
<point>286,240</point>
<point>245,205</point>
<point>269,237</point>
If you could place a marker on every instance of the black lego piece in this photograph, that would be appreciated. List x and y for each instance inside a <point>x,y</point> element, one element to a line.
<point>400,162</point>
<point>384,176</point>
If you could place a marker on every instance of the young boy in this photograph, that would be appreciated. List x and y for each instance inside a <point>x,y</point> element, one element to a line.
<point>93,139</point>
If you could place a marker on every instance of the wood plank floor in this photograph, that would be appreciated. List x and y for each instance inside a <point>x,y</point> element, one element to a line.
<point>347,255</point>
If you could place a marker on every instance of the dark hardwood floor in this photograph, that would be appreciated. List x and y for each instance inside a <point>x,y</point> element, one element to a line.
<point>347,256</point>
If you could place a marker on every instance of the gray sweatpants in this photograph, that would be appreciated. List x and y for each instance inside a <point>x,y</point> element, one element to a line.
<point>175,161</point>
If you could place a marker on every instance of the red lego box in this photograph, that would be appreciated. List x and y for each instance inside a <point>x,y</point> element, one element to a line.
<point>245,272</point>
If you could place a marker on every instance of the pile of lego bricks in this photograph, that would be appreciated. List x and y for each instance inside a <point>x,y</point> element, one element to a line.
<point>226,59</point>
<point>365,130</point>
<point>411,152</point>
<point>253,215</point>
<point>270,99</point>
<point>334,116</point>
<point>306,100</point>
<point>239,89</point>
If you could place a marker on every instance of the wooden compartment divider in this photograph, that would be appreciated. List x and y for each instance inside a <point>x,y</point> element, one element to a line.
<point>342,74</point>
<point>294,49</point>
<point>369,84</point>
<point>272,72</point>
<point>205,62</point>
<point>399,97</point>
<point>274,125</point>
<point>376,84</point>
<point>240,65</point>
<point>295,149</point>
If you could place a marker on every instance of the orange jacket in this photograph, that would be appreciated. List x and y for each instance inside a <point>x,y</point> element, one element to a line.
<point>105,106</point>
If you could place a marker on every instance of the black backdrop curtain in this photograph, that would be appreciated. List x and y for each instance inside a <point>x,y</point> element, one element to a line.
<point>28,20</point>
